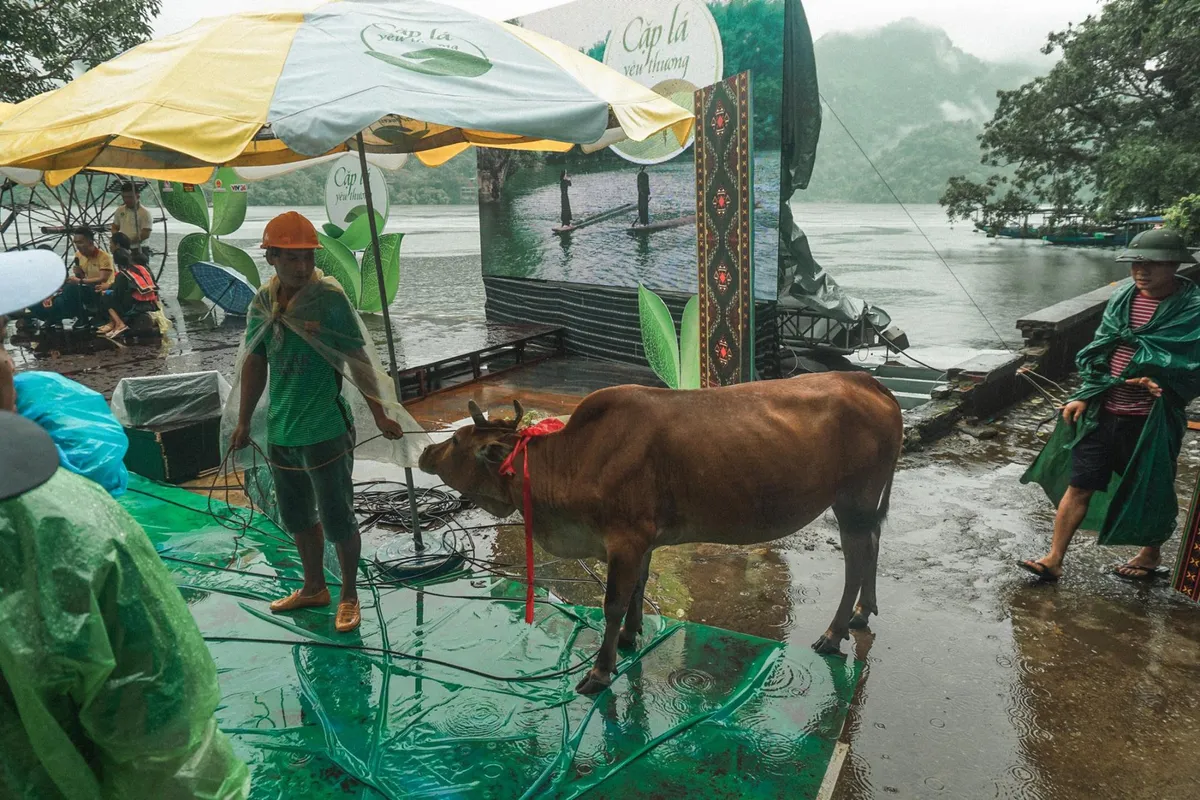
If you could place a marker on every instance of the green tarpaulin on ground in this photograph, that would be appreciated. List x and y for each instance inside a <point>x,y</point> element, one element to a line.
<point>698,712</point>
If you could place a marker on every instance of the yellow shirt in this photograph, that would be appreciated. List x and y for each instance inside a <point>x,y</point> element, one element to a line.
<point>132,222</point>
<point>99,265</point>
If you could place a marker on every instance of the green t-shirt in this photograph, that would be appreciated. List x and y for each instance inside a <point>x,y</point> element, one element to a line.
<point>305,404</point>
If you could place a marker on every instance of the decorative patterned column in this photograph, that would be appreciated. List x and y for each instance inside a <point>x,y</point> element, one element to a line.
<point>1187,570</point>
<point>725,231</point>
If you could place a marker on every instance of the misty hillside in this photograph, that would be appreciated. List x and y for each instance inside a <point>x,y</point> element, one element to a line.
<point>916,104</point>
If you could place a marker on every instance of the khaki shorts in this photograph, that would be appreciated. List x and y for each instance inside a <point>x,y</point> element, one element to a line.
<point>317,485</point>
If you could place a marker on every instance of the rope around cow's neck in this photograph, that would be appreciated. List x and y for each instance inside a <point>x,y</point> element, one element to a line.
<point>508,469</point>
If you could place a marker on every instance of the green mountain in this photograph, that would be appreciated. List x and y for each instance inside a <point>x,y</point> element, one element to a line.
<point>913,101</point>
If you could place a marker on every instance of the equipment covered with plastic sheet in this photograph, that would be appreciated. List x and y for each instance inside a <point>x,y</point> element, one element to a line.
<point>445,692</point>
<point>106,687</point>
<point>169,399</point>
<point>89,439</point>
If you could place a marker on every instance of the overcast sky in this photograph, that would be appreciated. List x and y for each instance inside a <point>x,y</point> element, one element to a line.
<point>1013,29</point>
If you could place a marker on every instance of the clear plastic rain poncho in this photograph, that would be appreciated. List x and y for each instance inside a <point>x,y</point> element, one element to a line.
<point>352,355</point>
<point>107,689</point>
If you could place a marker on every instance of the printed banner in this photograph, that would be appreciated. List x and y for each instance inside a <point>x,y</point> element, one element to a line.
<point>625,215</point>
<point>725,231</point>
<point>1187,570</point>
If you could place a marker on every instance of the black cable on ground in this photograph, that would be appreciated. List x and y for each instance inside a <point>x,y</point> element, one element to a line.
<point>534,678</point>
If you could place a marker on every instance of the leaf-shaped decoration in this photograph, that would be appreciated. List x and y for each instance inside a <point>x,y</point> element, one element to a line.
<point>355,213</point>
<point>689,345</point>
<point>333,231</point>
<point>358,232</point>
<point>192,248</point>
<point>190,207</point>
<point>658,337</point>
<point>389,250</point>
<point>438,61</point>
<point>237,259</point>
<point>392,134</point>
<point>229,207</point>
<point>336,261</point>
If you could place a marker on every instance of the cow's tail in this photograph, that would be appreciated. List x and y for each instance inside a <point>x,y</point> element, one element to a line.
<point>885,501</point>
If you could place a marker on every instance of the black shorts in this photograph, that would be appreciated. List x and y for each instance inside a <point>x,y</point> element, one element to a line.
<point>1106,450</point>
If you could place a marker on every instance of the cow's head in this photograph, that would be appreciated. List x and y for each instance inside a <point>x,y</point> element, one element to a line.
<point>469,462</point>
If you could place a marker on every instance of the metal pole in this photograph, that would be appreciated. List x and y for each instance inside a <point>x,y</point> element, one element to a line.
<point>387,325</point>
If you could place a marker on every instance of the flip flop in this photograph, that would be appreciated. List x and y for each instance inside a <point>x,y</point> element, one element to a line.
<point>1142,575</point>
<point>1042,572</point>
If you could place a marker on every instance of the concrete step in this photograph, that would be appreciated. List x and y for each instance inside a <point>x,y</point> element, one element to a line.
<point>912,373</point>
<point>910,385</point>
<point>910,400</point>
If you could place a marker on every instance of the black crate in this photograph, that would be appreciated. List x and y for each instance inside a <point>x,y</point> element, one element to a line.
<point>175,453</point>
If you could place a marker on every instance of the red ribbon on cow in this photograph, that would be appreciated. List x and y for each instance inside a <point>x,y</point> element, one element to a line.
<point>508,469</point>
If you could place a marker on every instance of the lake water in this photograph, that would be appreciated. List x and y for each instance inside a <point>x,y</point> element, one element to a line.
<point>874,251</point>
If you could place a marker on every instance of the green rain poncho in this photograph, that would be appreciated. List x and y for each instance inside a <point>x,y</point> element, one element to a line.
<point>1139,507</point>
<point>106,687</point>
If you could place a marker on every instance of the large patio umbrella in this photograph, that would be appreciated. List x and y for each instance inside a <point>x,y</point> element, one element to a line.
<point>386,76</point>
<point>259,88</point>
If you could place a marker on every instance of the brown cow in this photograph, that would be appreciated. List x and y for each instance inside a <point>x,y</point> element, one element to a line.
<point>638,468</point>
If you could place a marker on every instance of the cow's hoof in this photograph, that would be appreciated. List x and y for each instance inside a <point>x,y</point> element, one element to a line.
<point>627,641</point>
<point>860,621</point>
<point>827,646</point>
<point>593,683</point>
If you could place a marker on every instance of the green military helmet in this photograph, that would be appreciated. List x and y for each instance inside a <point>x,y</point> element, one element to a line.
<point>1162,246</point>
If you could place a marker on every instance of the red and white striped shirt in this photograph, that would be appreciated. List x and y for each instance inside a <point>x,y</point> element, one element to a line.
<point>1133,401</point>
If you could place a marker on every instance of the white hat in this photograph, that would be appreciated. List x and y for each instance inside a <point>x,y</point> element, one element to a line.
<point>28,277</point>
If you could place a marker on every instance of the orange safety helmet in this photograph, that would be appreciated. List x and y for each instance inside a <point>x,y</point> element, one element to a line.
<point>290,231</point>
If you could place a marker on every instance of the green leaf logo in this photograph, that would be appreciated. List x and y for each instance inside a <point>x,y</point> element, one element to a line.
<point>448,61</point>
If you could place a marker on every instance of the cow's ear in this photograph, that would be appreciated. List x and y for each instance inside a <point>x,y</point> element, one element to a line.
<point>494,453</point>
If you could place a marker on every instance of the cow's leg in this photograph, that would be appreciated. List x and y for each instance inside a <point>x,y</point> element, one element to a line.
<point>856,528</point>
<point>633,617</point>
<point>867,603</point>
<point>624,566</point>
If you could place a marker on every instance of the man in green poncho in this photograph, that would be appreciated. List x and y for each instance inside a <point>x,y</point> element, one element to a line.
<point>106,688</point>
<point>1110,465</point>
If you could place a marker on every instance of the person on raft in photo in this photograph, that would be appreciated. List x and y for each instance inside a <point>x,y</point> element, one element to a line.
<point>310,429</point>
<point>1110,464</point>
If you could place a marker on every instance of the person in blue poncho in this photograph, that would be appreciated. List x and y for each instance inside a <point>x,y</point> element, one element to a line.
<point>89,439</point>
<point>1110,464</point>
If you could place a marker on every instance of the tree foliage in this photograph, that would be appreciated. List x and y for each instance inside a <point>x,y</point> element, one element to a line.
<point>1115,125</point>
<point>1185,216</point>
<point>41,40</point>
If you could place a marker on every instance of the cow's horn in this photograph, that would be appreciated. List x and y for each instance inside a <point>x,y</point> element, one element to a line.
<point>520,411</point>
<point>476,413</point>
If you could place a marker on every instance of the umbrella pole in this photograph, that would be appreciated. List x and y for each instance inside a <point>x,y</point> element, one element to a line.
<point>387,326</point>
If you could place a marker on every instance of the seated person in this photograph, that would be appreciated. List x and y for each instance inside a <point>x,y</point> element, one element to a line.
<point>132,219</point>
<point>119,242</point>
<point>92,270</point>
<point>133,292</point>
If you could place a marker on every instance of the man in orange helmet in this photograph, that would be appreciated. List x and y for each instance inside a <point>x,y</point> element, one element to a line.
<point>310,428</point>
